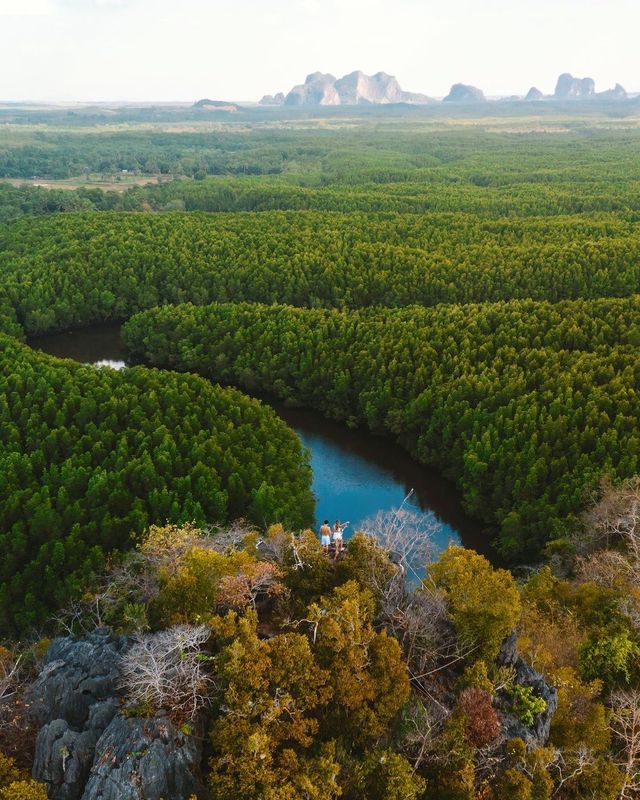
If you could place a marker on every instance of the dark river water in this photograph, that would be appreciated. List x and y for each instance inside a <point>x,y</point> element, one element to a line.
<point>355,475</point>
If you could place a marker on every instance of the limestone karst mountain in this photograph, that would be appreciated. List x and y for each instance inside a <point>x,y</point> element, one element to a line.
<point>569,87</point>
<point>617,93</point>
<point>463,93</point>
<point>272,99</point>
<point>534,94</point>
<point>357,88</point>
<point>216,105</point>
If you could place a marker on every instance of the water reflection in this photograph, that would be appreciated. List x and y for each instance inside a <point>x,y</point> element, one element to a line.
<point>355,474</point>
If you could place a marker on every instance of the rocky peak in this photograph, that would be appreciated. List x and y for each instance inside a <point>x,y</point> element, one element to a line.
<point>317,90</point>
<point>534,94</point>
<point>272,100</point>
<point>463,93</point>
<point>569,87</point>
<point>356,88</point>
<point>617,93</point>
<point>524,675</point>
<point>86,749</point>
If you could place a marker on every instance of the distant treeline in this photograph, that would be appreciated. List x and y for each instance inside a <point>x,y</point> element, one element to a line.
<point>573,167</point>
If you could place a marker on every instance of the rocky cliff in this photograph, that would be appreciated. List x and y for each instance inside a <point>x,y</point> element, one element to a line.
<point>536,735</point>
<point>86,748</point>
<point>569,88</point>
<point>324,89</point>
<point>272,100</point>
<point>617,93</point>
<point>463,93</point>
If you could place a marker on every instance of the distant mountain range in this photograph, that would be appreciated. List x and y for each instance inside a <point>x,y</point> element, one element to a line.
<point>323,89</point>
<point>357,88</point>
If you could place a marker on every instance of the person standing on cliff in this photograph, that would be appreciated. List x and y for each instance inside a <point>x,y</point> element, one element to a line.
<point>325,536</point>
<point>338,528</point>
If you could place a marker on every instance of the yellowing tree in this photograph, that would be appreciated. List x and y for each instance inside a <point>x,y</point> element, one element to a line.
<point>484,602</point>
<point>272,690</point>
<point>369,677</point>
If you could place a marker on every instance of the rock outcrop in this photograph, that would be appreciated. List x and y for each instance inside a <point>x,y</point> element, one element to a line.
<point>145,758</point>
<point>74,699</point>
<point>216,105</point>
<point>538,734</point>
<point>617,93</point>
<point>463,93</point>
<point>534,94</point>
<point>569,87</point>
<point>320,89</point>
<point>86,749</point>
<point>272,100</point>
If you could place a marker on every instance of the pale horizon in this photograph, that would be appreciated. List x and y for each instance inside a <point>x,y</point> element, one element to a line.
<point>162,51</point>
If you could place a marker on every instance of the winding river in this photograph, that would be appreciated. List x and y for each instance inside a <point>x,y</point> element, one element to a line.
<point>355,475</point>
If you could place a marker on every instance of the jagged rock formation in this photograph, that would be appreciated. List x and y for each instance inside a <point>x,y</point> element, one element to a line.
<point>525,675</point>
<point>317,90</point>
<point>569,87</point>
<point>320,89</point>
<point>86,749</point>
<point>145,758</point>
<point>617,93</point>
<point>463,93</point>
<point>74,699</point>
<point>272,100</point>
<point>534,94</point>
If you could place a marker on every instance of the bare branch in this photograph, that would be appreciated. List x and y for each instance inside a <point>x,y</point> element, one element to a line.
<point>167,670</point>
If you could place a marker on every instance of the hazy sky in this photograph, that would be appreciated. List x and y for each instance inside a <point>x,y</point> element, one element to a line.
<point>240,49</point>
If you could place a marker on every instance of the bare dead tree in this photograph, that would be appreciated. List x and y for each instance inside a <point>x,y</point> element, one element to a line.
<point>10,667</point>
<point>566,766</point>
<point>167,670</point>
<point>230,537</point>
<point>607,568</point>
<point>406,535</point>
<point>17,734</point>
<point>423,722</point>
<point>293,551</point>
<point>625,726</point>
<point>614,517</point>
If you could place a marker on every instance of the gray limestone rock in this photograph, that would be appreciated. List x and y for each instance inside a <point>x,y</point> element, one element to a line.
<point>86,749</point>
<point>538,734</point>
<point>77,674</point>
<point>74,699</point>
<point>148,759</point>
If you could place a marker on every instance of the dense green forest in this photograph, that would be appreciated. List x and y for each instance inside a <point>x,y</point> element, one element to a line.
<point>431,218</point>
<point>70,270</point>
<point>89,456</point>
<point>525,404</point>
<point>465,281</point>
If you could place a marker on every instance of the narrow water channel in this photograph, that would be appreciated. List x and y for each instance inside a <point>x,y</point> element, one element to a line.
<point>355,475</point>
